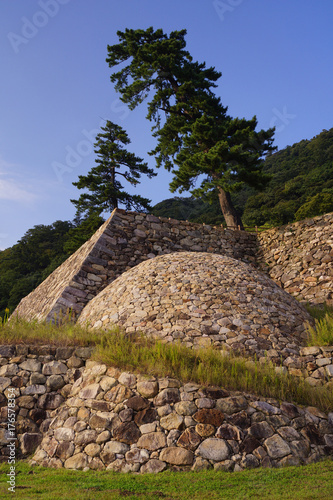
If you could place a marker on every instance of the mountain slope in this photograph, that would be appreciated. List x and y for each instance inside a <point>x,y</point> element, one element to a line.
<point>301,186</point>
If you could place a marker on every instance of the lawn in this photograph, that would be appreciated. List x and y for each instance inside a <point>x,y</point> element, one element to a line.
<point>309,482</point>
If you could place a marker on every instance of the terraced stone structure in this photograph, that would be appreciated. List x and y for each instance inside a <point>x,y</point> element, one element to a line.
<point>202,299</point>
<point>299,257</point>
<point>122,242</point>
<point>178,282</point>
<point>76,413</point>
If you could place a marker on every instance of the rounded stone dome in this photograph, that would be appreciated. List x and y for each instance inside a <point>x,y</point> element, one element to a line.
<point>202,299</point>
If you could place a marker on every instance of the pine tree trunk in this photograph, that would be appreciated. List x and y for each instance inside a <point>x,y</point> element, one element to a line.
<point>114,200</point>
<point>230,215</point>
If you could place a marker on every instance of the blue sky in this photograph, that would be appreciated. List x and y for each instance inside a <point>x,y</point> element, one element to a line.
<point>275,58</point>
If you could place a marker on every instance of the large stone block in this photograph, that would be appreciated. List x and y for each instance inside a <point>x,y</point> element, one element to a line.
<point>152,441</point>
<point>177,456</point>
<point>214,449</point>
<point>277,447</point>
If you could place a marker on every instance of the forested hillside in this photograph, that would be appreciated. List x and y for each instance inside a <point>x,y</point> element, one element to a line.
<point>41,250</point>
<point>301,186</point>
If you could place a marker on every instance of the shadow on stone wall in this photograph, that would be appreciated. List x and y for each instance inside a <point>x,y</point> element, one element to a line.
<point>75,413</point>
<point>298,257</point>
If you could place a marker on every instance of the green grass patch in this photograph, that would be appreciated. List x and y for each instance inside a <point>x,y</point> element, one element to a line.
<point>321,333</point>
<point>209,366</point>
<point>319,311</point>
<point>20,331</point>
<point>206,366</point>
<point>311,482</point>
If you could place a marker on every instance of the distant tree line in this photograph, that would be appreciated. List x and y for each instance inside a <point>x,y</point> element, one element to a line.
<point>39,252</point>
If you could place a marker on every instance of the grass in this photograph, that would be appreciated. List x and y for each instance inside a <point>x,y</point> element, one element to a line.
<point>309,482</point>
<point>319,311</point>
<point>20,331</point>
<point>322,332</point>
<point>207,366</point>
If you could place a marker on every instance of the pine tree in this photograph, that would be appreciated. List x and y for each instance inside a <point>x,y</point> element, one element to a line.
<point>197,136</point>
<point>106,190</point>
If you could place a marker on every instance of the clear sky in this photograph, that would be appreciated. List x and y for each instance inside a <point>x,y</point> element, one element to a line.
<point>275,57</point>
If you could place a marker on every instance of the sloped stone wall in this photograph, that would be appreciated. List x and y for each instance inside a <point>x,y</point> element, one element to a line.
<point>80,414</point>
<point>203,299</point>
<point>298,257</point>
<point>72,284</point>
<point>123,241</point>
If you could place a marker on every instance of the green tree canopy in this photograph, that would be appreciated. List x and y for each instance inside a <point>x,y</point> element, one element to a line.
<point>319,204</point>
<point>106,191</point>
<point>22,267</point>
<point>298,174</point>
<point>197,137</point>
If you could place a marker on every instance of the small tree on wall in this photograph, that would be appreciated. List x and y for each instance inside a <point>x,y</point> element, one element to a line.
<point>102,181</point>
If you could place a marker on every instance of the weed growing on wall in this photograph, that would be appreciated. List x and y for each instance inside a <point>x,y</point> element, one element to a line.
<point>322,333</point>
<point>206,366</point>
<point>4,319</point>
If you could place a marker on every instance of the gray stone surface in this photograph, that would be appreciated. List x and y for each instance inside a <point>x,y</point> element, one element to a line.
<point>166,425</point>
<point>214,449</point>
<point>276,447</point>
<point>223,306</point>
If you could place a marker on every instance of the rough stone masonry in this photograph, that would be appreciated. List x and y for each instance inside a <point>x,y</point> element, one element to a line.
<point>202,299</point>
<point>76,413</point>
<point>298,257</point>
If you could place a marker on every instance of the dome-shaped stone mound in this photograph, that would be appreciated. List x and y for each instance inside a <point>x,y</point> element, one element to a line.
<point>202,299</point>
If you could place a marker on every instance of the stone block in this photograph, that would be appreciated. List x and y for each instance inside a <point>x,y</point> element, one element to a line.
<point>31,365</point>
<point>78,461</point>
<point>152,441</point>
<point>147,389</point>
<point>177,456</point>
<point>127,432</point>
<point>153,466</point>
<point>276,447</point>
<point>54,368</point>
<point>189,439</point>
<point>209,416</point>
<point>214,449</point>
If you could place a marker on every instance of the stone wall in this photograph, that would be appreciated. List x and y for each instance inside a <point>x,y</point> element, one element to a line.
<point>123,241</point>
<point>299,258</point>
<point>80,414</point>
<point>202,299</point>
